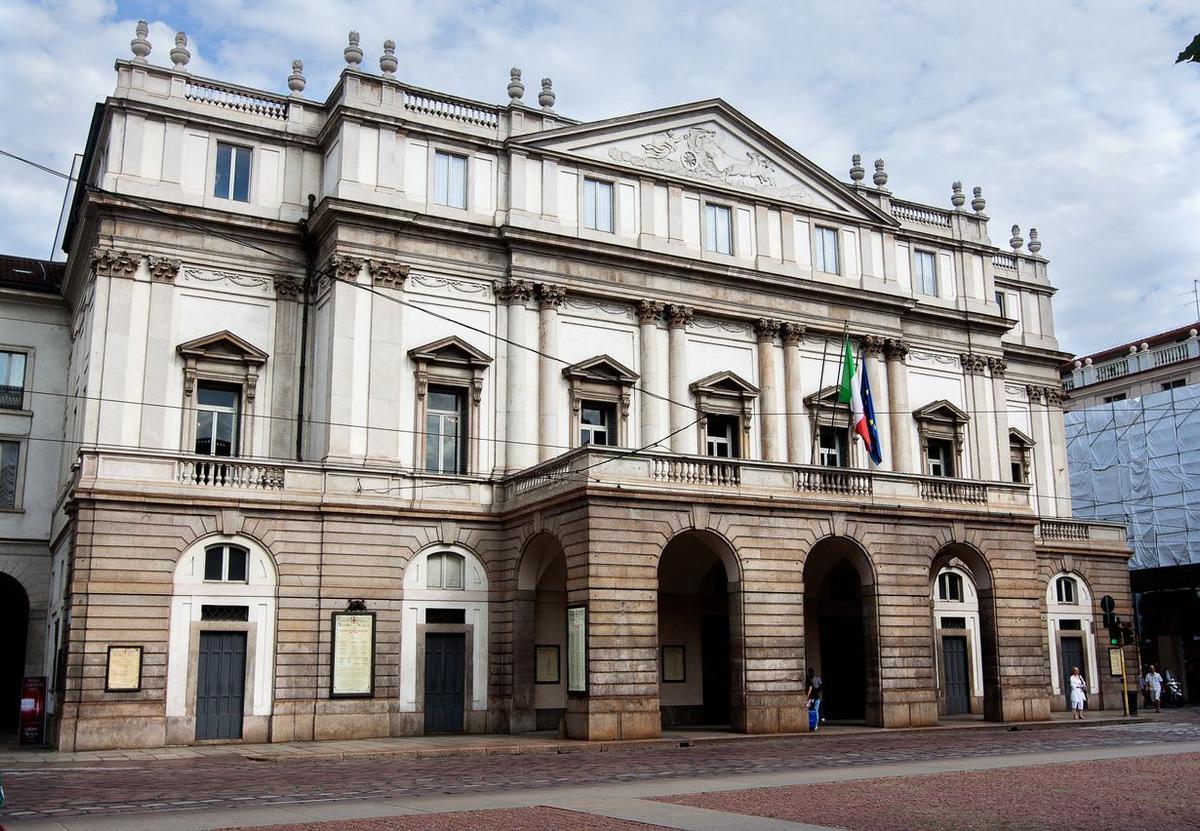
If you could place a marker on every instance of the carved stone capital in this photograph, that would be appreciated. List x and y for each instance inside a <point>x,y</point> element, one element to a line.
<point>164,269</point>
<point>678,317</point>
<point>792,333</point>
<point>112,262</point>
<point>873,344</point>
<point>1035,393</point>
<point>998,366</point>
<point>550,297</point>
<point>649,311</point>
<point>345,268</point>
<point>387,274</point>
<point>766,329</point>
<point>895,349</point>
<point>513,292</point>
<point>287,287</point>
<point>1054,396</point>
<point>973,364</point>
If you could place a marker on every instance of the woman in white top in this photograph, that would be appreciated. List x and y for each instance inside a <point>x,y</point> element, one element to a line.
<point>1078,693</point>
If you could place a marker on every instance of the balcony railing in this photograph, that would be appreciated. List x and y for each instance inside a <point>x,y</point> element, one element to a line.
<point>236,99</point>
<point>1106,372</point>
<point>920,214</point>
<point>935,489</point>
<point>11,398</point>
<point>835,480</point>
<point>230,473</point>
<point>720,474</point>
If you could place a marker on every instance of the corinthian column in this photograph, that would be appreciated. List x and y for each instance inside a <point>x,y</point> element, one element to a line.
<point>792,333</point>
<point>772,445</point>
<point>999,367</point>
<point>650,406</point>
<point>549,385</point>
<point>678,319</point>
<point>519,416</point>
<point>899,416</point>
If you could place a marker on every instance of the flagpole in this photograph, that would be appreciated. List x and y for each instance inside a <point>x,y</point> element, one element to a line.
<point>815,440</point>
<point>849,408</point>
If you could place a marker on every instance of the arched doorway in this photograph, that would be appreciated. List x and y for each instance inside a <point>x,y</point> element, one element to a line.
<point>1071,632</point>
<point>965,644</point>
<point>14,626</point>
<point>699,632</point>
<point>540,694</point>
<point>840,640</point>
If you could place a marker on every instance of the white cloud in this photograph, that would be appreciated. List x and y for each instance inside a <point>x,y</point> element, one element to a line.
<point>1072,117</point>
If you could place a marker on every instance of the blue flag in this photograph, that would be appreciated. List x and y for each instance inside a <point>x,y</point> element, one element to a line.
<point>869,413</point>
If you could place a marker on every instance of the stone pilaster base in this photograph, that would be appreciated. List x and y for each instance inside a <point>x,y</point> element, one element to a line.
<point>609,718</point>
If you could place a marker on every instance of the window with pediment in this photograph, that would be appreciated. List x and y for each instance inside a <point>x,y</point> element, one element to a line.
<point>726,401</point>
<point>831,445</point>
<point>449,384</point>
<point>1020,455</point>
<point>600,390</point>
<point>941,427</point>
<point>220,384</point>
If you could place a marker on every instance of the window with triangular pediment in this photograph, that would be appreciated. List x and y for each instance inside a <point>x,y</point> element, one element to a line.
<point>600,390</point>
<point>725,401</point>
<point>449,383</point>
<point>220,385</point>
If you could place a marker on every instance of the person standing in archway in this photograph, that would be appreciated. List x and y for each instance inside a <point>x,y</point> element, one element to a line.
<point>1078,693</point>
<point>814,699</point>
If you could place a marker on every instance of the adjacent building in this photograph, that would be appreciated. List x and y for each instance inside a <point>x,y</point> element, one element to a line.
<point>398,412</point>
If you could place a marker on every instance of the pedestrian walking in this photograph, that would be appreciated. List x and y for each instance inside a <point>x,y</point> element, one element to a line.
<point>1078,693</point>
<point>1154,686</point>
<point>814,699</point>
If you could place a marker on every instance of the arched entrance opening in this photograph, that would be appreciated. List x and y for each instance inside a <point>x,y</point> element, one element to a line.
<point>540,688</point>
<point>699,633</point>
<point>14,626</point>
<point>967,666</point>
<point>1071,632</point>
<point>841,642</point>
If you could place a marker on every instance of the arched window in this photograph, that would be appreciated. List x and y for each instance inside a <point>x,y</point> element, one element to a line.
<point>444,571</point>
<point>226,564</point>
<point>950,586</point>
<point>1066,590</point>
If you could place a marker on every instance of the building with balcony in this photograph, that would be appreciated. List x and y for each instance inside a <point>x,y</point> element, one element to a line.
<point>402,413</point>
<point>1166,361</point>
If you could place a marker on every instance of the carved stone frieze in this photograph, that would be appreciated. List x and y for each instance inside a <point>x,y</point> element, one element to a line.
<point>895,349</point>
<point>387,275</point>
<point>678,316</point>
<point>113,262</point>
<point>287,287</point>
<point>792,333</point>
<point>550,297</point>
<point>766,329</point>
<point>649,311</point>
<point>513,291</point>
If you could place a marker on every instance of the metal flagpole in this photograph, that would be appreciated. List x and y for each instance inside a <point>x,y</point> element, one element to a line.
<point>849,408</point>
<point>815,441</point>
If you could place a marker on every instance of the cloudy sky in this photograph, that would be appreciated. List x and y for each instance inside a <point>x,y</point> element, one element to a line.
<point>1071,115</point>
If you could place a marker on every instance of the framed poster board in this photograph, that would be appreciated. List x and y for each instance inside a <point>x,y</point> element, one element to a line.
<point>123,670</point>
<point>352,663</point>
<point>577,649</point>
<point>547,668</point>
<point>1115,664</point>
<point>674,665</point>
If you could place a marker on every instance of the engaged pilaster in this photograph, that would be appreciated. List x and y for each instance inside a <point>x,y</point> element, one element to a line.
<point>549,373</point>
<point>998,367</point>
<point>766,331</point>
<point>678,319</point>
<point>519,415</point>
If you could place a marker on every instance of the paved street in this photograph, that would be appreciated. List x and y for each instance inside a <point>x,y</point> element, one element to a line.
<point>230,790</point>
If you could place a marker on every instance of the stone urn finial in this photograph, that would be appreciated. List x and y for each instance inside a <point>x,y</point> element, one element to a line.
<point>180,54</point>
<point>880,178</point>
<point>387,61</point>
<point>856,169</point>
<point>516,88</point>
<point>1035,244</point>
<point>140,45</point>
<point>353,53</point>
<point>957,198</point>
<point>546,96</point>
<point>297,81</point>
<point>1016,242</point>
<point>978,203</point>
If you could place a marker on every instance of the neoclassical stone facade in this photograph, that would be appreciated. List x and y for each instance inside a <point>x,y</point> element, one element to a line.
<point>554,406</point>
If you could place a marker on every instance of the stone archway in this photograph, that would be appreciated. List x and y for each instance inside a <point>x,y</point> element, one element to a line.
<point>14,624</point>
<point>540,646</point>
<point>700,640</point>
<point>974,607</point>
<point>841,630</point>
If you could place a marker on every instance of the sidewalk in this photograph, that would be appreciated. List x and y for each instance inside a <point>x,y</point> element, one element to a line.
<point>414,747</point>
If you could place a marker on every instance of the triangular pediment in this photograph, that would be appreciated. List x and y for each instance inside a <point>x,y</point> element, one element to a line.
<point>602,368</point>
<point>1015,436</point>
<point>825,397</point>
<point>450,350</point>
<point>724,383</point>
<point>223,346</point>
<point>941,410</point>
<point>712,145</point>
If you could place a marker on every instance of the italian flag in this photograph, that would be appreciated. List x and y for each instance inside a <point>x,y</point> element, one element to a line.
<point>856,391</point>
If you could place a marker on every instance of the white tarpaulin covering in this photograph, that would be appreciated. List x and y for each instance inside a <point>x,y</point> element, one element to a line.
<point>1138,462</point>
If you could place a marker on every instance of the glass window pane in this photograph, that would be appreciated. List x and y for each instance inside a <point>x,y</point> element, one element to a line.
<point>213,563</point>
<point>433,441</point>
<point>237,565</point>
<point>710,227</point>
<point>433,577</point>
<point>204,430</point>
<point>458,182</point>
<point>441,177</point>
<point>589,203</point>
<point>454,571</point>
<point>10,456</point>
<point>224,166</point>
<point>226,436</point>
<point>450,455</point>
<point>443,401</point>
<point>241,174</point>
<point>12,369</point>
<point>214,396</point>
<point>604,207</point>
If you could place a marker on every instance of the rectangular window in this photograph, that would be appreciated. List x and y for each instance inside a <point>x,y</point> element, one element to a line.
<point>1070,625</point>
<point>10,457</point>
<point>1174,384</point>
<point>449,179</point>
<point>825,250</point>
<point>834,444</point>
<point>1001,304</point>
<point>1018,472</point>
<point>925,273</point>
<point>1109,399</point>
<point>233,172</point>
<point>598,205</point>
<point>12,380</point>
<point>445,431</point>
<point>939,458</point>
<point>217,419</point>
<point>722,436</point>
<point>718,229</point>
<point>597,424</point>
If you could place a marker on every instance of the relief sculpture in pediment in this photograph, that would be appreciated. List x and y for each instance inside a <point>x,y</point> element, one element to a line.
<point>699,153</point>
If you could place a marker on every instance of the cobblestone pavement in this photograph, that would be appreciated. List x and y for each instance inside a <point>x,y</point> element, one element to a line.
<point>525,819</point>
<point>1113,795</point>
<point>228,782</point>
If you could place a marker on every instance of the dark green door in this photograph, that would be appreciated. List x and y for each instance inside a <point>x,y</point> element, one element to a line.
<point>221,685</point>
<point>444,680</point>
<point>954,674</point>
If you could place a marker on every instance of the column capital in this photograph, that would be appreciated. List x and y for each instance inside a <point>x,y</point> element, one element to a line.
<point>895,349</point>
<point>998,366</point>
<point>345,268</point>
<point>678,317</point>
<point>163,269</point>
<point>387,274</point>
<point>287,287</point>
<point>792,333</point>
<point>114,262</point>
<point>973,364</point>
<point>1054,396</point>
<point>550,297</point>
<point>766,329</point>
<point>873,344</point>
<point>513,292</point>
<point>1035,393</point>
<point>649,311</point>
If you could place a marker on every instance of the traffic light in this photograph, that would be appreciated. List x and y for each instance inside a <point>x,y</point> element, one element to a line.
<point>1127,636</point>
<point>1115,631</point>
